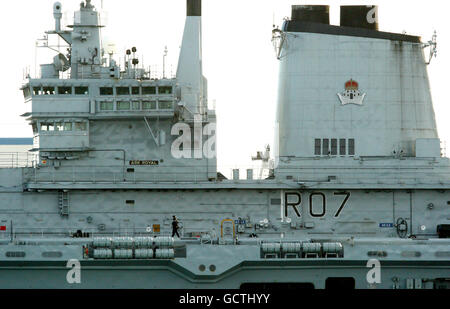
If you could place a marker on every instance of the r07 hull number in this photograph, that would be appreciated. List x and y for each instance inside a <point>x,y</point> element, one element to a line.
<point>317,202</point>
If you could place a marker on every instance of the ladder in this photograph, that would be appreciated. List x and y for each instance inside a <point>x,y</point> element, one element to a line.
<point>63,203</point>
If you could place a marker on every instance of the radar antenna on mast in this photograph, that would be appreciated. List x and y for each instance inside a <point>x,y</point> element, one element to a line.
<point>279,38</point>
<point>433,47</point>
<point>264,157</point>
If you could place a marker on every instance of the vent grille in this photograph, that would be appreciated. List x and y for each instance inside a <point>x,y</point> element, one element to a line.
<point>15,254</point>
<point>411,254</point>
<point>443,254</point>
<point>377,253</point>
<point>52,254</point>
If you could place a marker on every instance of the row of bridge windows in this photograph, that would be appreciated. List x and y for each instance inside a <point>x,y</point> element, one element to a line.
<point>120,91</point>
<point>334,147</point>
<point>104,91</point>
<point>63,126</point>
<point>135,105</point>
<point>61,90</point>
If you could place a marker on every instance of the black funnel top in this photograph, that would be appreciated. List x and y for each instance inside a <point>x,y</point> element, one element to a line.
<point>311,13</point>
<point>194,7</point>
<point>360,16</point>
<point>358,21</point>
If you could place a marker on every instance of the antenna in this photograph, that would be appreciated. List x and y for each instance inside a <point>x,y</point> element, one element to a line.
<point>433,47</point>
<point>164,61</point>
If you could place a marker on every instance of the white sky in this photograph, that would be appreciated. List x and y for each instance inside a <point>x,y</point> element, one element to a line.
<point>239,59</point>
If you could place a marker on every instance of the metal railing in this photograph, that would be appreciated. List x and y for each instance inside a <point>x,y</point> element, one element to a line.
<point>17,159</point>
<point>128,174</point>
<point>54,233</point>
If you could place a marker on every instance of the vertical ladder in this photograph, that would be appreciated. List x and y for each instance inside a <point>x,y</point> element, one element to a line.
<point>63,203</point>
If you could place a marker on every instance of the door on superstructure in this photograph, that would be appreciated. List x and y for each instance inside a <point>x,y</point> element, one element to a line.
<point>401,209</point>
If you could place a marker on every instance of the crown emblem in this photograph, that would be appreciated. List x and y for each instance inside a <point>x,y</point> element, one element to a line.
<point>351,85</point>
<point>351,95</point>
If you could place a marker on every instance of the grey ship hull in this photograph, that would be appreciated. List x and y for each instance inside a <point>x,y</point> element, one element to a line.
<point>200,262</point>
<point>170,275</point>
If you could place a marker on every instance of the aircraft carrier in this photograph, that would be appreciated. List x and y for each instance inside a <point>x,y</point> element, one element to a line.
<point>356,196</point>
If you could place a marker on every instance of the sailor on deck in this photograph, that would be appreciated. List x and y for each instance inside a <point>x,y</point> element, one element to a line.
<point>175,227</point>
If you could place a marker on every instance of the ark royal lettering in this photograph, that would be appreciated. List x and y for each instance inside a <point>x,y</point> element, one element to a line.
<point>144,162</point>
<point>316,202</point>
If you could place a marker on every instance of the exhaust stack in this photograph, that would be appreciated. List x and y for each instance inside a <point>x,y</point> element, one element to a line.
<point>360,16</point>
<point>311,13</point>
<point>190,72</point>
<point>194,8</point>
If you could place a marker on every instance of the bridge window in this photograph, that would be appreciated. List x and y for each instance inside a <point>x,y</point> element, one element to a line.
<point>135,91</point>
<point>325,146</point>
<point>165,105</point>
<point>123,91</point>
<point>80,126</point>
<point>106,91</point>
<point>123,106</point>
<point>148,105</point>
<point>317,147</point>
<point>49,90</point>
<point>165,90</point>
<point>37,91</point>
<point>342,147</point>
<point>106,106</point>
<point>68,126</point>
<point>46,127</point>
<point>59,126</point>
<point>136,105</point>
<point>351,147</point>
<point>64,90</point>
<point>148,90</point>
<point>334,147</point>
<point>81,90</point>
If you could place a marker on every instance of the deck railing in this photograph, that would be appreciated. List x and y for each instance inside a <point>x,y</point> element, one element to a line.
<point>17,159</point>
<point>120,174</point>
